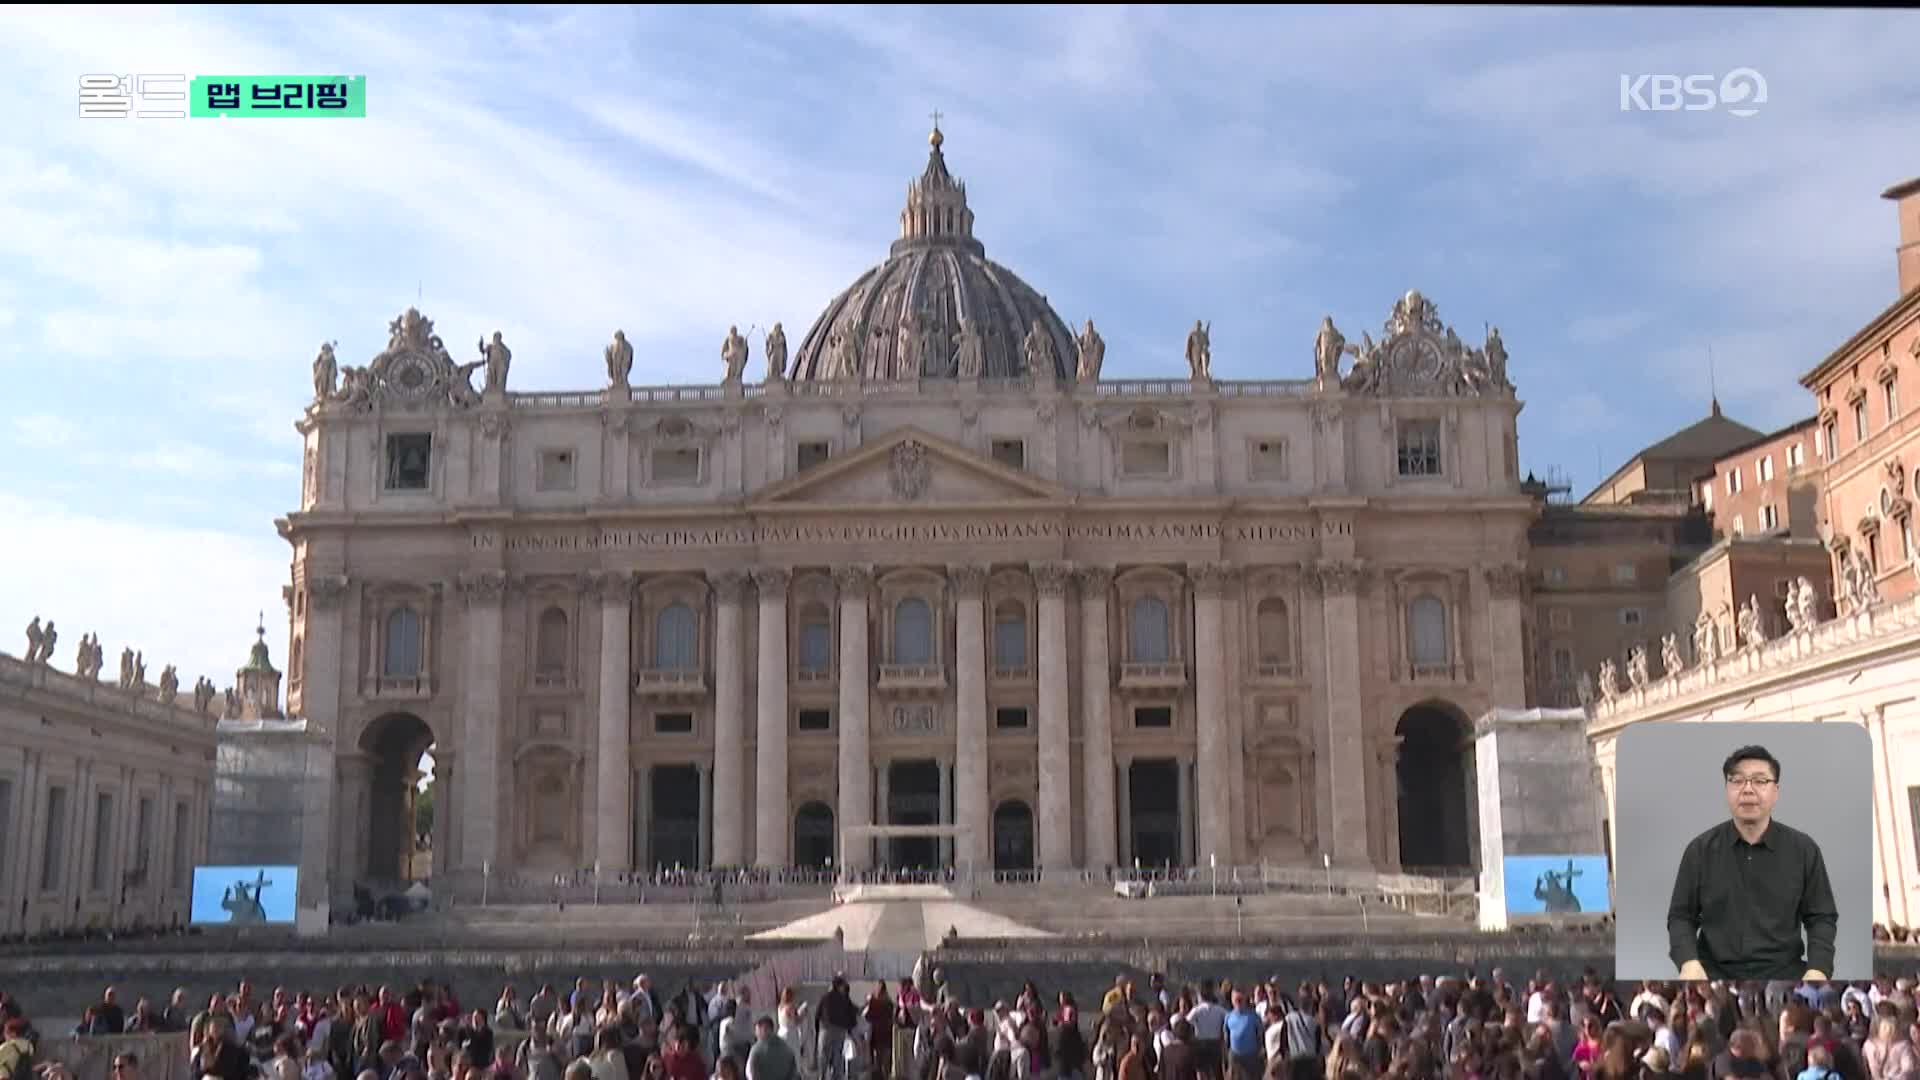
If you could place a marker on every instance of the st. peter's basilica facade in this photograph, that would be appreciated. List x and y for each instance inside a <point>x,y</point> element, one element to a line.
<point>932,569</point>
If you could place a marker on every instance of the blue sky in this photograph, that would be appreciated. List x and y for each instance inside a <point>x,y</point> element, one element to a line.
<point>557,173</point>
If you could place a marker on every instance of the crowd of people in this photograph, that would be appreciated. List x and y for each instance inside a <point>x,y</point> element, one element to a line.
<point>1467,1027</point>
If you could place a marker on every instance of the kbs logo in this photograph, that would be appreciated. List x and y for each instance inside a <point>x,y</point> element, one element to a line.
<point>1740,92</point>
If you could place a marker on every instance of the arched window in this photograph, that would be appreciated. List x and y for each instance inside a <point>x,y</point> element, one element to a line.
<point>550,648</point>
<point>912,632</point>
<point>1148,631</point>
<point>402,657</point>
<point>1427,631</point>
<point>293,664</point>
<point>816,639</point>
<point>1276,644</point>
<point>675,647</point>
<point>1010,635</point>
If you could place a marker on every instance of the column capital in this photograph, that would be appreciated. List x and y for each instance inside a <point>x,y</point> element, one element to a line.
<point>853,581</point>
<point>484,587</point>
<point>612,586</point>
<point>1213,578</point>
<point>770,580</point>
<point>1050,578</point>
<point>730,586</point>
<point>1095,581</point>
<point>327,590</point>
<point>968,579</point>
<point>1337,578</point>
<point>1506,579</point>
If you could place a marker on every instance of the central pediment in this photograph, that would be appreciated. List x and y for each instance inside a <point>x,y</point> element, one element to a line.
<point>907,468</point>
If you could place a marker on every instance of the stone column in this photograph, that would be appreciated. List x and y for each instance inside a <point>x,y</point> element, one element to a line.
<point>1214,789</point>
<point>323,877</point>
<point>856,766</point>
<point>970,809</point>
<point>1185,783</point>
<point>1055,812</point>
<point>1123,786</point>
<point>703,841</point>
<point>480,723</point>
<point>443,789</point>
<point>770,831</point>
<point>1506,669</point>
<point>1096,716</point>
<point>613,766</point>
<point>1338,584</point>
<point>355,791</point>
<point>729,720</point>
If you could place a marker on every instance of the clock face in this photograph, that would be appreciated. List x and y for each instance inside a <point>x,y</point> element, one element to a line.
<point>1417,358</point>
<point>412,376</point>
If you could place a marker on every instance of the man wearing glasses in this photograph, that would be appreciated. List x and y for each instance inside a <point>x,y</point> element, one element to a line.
<point>1748,885</point>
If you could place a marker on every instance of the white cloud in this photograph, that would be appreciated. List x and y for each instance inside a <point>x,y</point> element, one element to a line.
<point>184,596</point>
<point>44,430</point>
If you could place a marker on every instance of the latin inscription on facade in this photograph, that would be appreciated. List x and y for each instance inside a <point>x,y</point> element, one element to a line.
<point>916,719</point>
<point>956,532</point>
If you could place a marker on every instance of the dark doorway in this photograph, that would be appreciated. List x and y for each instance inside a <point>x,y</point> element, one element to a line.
<point>1012,836</point>
<point>1431,776</point>
<point>813,835</point>
<point>396,851</point>
<point>673,816</point>
<point>1153,799</point>
<point>913,798</point>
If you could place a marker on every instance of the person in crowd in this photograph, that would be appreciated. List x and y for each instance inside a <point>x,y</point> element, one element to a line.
<point>771,1058</point>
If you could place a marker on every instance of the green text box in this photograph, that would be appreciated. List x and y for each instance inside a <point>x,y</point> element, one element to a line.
<point>279,95</point>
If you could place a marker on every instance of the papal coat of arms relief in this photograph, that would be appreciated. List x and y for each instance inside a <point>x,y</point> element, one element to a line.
<point>910,471</point>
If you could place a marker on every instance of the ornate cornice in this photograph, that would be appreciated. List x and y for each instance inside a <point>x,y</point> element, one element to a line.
<point>612,586</point>
<point>1212,578</point>
<point>1337,578</point>
<point>853,581</point>
<point>1050,578</point>
<point>483,587</point>
<point>1506,579</point>
<point>325,591</point>
<point>729,586</point>
<point>771,580</point>
<point>968,579</point>
<point>1095,581</point>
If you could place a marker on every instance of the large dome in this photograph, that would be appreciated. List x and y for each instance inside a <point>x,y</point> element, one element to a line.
<point>904,318</point>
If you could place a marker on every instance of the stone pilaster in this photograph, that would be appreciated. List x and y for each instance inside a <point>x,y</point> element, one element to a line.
<point>480,719</point>
<point>856,766</point>
<point>613,764</point>
<point>1096,714</point>
<point>970,804</point>
<point>770,832</point>
<point>1213,791</point>
<point>322,667</point>
<point>729,719</point>
<point>1055,812</point>
<point>1338,584</point>
<point>1507,667</point>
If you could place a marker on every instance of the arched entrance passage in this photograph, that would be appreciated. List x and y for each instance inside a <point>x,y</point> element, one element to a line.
<point>396,848</point>
<point>1013,836</point>
<point>813,835</point>
<point>1432,774</point>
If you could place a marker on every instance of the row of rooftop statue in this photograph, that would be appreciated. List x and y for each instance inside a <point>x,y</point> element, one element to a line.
<point>416,364</point>
<point>1858,592</point>
<point>90,658</point>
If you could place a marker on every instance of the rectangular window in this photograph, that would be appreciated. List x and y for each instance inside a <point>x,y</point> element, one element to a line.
<point>1556,575</point>
<point>1011,718</point>
<point>1629,616</point>
<point>1418,451</point>
<point>1830,439</point>
<point>1706,495</point>
<point>1796,457</point>
<point>1769,518</point>
<point>1146,457</point>
<point>1155,716</point>
<point>676,466</point>
<point>1268,461</point>
<point>102,842</point>
<point>812,453</point>
<point>1733,480</point>
<point>1010,452</point>
<point>1906,541</point>
<point>816,720</point>
<point>182,844</point>
<point>556,471</point>
<point>673,723</point>
<point>1860,421</point>
<point>1562,663</point>
<point>1625,574</point>
<point>409,462</point>
<point>1873,552</point>
<point>816,647</point>
<point>143,835</point>
<point>1766,469</point>
<point>1739,525</point>
<point>1893,400</point>
<point>1560,619</point>
<point>53,856</point>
